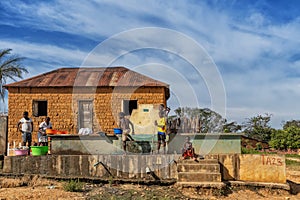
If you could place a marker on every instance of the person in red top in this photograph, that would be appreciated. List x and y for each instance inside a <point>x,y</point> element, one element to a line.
<point>188,150</point>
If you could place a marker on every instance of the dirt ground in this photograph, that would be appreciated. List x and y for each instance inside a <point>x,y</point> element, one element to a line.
<point>38,188</point>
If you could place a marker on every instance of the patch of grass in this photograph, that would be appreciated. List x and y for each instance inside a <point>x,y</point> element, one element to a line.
<point>292,156</point>
<point>110,181</point>
<point>254,151</point>
<point>73,186</point>
<point>249,151</point>
<point>117,193</point>
<point>292,163</point>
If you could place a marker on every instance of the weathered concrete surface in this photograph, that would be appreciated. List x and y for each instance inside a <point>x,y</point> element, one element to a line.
<point>120,166</point>
<point>83,145</point>
<point>253,168</point>
<point>207,170</point>
<point>230,166</point>
<point>3,134</point>
<point>283,186</point>
<point>96,144</point>
<point>235,167</point>
<point>143,118</point>
<point>211,143</point>
<point>263,168</point>
<point>199,177</point>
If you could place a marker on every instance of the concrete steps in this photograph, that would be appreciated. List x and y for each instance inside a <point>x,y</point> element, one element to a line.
<point>204,161</point>
<point>196,172</point>
<point>217,185</point>
<point>199,177</point>
<point>195,167</point>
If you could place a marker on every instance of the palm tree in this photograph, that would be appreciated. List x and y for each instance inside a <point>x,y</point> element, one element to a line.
<point>10,68</point>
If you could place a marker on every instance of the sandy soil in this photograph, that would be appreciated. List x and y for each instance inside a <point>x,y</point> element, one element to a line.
<point>37,188</point>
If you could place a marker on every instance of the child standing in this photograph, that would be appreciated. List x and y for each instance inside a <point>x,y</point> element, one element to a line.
<point>124,125</point>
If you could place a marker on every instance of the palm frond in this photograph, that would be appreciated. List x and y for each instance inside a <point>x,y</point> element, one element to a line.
<point>9,61</point>
<point>10,68</point>
<point>4,52</point>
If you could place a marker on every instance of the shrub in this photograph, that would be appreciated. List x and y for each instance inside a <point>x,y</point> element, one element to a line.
<point>286,139</point>
<point>73,186</point>
<point>258,146</point>
<point>249,151</point>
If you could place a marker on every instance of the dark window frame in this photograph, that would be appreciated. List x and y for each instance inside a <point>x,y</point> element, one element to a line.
<point>40,108</point>
<point>129,105</point>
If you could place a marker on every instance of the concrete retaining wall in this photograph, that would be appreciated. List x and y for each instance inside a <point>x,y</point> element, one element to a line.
<point>253,167</point>
<point>210,143</point>
<point>248,168</point>
<point>129,166</point>
<point>3,134</point>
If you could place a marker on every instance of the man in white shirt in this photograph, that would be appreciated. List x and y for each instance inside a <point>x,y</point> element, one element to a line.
<point>26,129</point>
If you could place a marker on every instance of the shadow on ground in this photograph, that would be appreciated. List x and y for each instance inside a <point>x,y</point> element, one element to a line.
<point>295,187</point>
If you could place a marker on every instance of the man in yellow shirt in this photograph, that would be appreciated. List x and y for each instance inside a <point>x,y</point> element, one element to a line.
<point>161,131</point>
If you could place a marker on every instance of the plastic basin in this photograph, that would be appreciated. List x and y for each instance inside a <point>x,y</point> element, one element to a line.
<point>117,131</point>
<point>50,131</point>
<point>39,150</point>
<point>61,132</point>
<point>21,152</point>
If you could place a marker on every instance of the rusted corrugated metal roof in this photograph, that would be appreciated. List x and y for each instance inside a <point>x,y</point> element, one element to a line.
<point>70,77</point>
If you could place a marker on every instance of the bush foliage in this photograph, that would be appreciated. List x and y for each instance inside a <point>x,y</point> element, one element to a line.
<point>288,138</point>
<point>73,186</point>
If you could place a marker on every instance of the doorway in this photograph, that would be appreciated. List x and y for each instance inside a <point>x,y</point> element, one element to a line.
<point>129,105</point>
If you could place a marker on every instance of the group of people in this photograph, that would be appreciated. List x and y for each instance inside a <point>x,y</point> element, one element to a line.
<point>161,124</point>
<point>126,125</point>
<point>26,129</point>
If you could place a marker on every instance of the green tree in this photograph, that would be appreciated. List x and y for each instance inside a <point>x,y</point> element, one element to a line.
<point>278,139</point>
<point>210,121</point>
<point>291,123</point>
<point>231,127</point>
<point>293,137</point>
<point>10,68</point>
<point>258,127</point>
<point>288,138</point>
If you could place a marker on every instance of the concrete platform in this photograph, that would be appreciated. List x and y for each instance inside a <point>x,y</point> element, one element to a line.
<point>283,186</point>
<point>195,167</point>
<point>233,167</point>
<point>199,177</point>
<point>235,184</point>
<point>201,185</point>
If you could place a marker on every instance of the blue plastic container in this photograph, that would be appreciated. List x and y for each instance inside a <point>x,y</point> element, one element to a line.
<point>117,131</point>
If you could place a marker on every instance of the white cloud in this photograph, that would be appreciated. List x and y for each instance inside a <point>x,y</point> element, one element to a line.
<point>44,56</point>
<point>253,53</point>
<point>257,19</point>
<point>289,31</point>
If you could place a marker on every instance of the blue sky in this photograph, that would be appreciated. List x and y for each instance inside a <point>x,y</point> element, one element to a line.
<point>254,45</point>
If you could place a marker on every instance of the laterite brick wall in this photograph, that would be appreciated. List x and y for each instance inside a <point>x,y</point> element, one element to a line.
<point>63,106</point>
